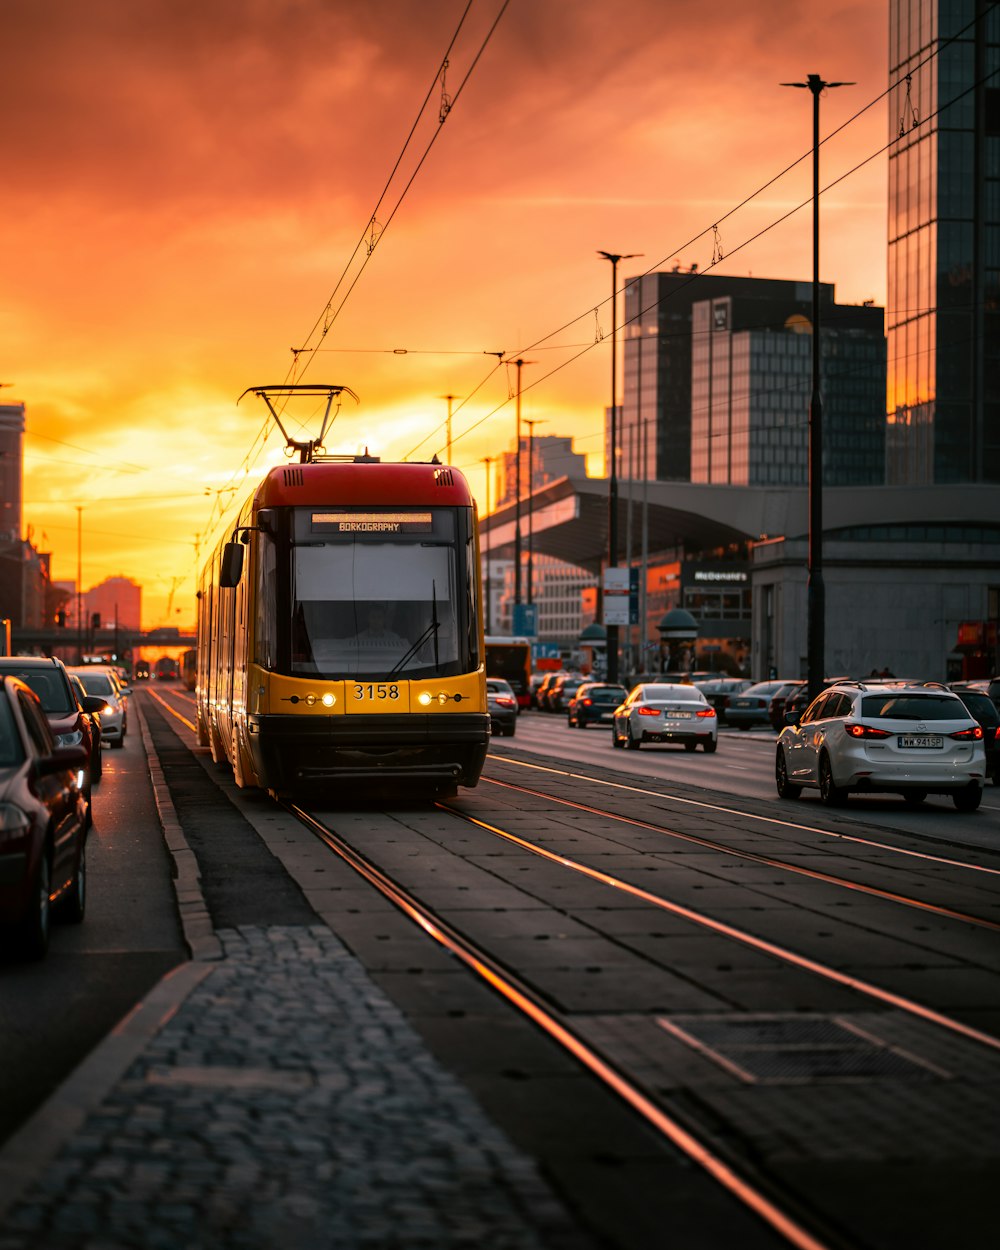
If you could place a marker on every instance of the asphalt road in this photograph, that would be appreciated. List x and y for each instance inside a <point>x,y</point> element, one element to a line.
<point>53,1012</point>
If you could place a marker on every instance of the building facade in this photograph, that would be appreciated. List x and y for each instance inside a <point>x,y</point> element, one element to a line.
<point>751,385</point>
<point>943,300</point>
<point>717,379</point>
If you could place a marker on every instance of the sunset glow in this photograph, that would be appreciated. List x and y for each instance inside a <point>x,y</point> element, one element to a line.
<point>187,184</point>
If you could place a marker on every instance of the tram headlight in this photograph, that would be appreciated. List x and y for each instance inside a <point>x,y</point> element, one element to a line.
<point>329,700</point>
<point>310,699</point>
<point>424,698</point>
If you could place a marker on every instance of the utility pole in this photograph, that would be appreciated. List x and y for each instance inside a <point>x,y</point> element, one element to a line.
<point>79,582</point>
<point>612,630</point>
<point>447,454</point>
<point>488,460</point>
<point>531,504</point>
<point>815,588</point>
<point>517,491</point>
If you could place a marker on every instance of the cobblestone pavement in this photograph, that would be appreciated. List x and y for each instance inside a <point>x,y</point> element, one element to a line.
<point>287,1103</point>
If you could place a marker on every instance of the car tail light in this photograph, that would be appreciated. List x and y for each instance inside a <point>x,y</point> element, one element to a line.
<point>706,711</point>
<point>586,702</point>
<point>864,731</point>
<point>975,732</point>
<point>649,711</point>
<point>504,700</point>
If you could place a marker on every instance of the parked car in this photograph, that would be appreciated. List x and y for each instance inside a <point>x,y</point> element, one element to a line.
<point>797,702</point>
<point>912,740</point>
<point>534,681</point>
<point>594,704</point>
<point>779,699</point>
<point>753,706</point>
<point>563,689</point>
<point>43,822</point>
<point>984,710</point>
<point>658,712</point>
<point>103,682</point>
<point>502,703</point>
<point>719,690</point>
<point>69,719</point>
<point>96,752</point>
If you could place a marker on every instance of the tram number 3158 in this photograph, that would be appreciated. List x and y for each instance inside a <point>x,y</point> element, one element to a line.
<point>382,690</point>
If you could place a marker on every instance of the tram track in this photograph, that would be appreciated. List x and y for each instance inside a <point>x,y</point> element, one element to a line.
<point>748,1191</point>
<point>768,861</point>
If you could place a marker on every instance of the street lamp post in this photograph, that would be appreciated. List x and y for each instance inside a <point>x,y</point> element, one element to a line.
<point>488,460</point>
<point>612,630</point>
<point>517,491</point>
<point>79,582</point>
<point>815,588</point>
<point>531,488</point>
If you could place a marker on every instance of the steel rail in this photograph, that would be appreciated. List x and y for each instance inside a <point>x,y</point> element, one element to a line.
<point>735,811</point>
<point>813,873</point>
<point>865,988</point>
<point>525,1001</point>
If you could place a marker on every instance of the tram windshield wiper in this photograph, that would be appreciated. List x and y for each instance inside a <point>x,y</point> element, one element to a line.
<point>430,632</point>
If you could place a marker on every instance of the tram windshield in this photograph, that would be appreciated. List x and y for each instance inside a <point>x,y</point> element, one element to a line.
<point>380,600</point>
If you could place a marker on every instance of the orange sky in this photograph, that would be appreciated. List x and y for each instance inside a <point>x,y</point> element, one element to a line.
<point>185,184</point>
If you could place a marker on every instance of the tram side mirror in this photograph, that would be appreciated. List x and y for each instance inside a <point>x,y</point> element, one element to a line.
<point>265,521</point>
<point>231,569</point>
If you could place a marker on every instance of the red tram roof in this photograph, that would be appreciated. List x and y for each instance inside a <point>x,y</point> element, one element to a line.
<point>361,483</point>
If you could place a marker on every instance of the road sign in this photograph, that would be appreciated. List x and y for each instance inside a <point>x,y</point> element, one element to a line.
<point>525,620</point>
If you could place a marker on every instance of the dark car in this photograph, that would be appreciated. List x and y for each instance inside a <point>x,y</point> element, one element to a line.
<point>594,704</point>
<point>96,752</point>
<point>984,710</point>
<point>719,690</point>
<point>43,827</point>
<point>68,716</point>
<point>502,703</point>
<point>562,690</point>
<point>141,671</point>
<point>779,701</point>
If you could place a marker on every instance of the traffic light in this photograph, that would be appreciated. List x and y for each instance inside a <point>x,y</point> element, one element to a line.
<point>61,619</point>
<point>95,620</point>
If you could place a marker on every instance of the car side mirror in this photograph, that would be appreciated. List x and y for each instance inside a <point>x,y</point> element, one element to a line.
<point>62,759</point>
<point>125,690</point>
<point>93,703</point>
<point>792,718</point>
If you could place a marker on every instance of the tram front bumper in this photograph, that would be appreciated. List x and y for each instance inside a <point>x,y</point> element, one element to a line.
<point>294,752</point>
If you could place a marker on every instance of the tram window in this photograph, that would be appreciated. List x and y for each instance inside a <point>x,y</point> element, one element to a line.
<point>374,608</point>
<point>267,601</point>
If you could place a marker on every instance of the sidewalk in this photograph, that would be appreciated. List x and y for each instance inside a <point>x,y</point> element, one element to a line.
<point>267,1094</point>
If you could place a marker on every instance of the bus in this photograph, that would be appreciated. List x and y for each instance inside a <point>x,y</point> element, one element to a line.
<point>510,658</point>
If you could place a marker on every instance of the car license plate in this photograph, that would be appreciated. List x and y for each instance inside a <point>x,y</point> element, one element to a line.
<point>741,703</point>
<point>919,740</point>
<point>607,716</point>
<point>678,715</point>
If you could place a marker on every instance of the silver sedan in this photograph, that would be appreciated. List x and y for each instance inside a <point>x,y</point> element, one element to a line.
<point>660,712</point>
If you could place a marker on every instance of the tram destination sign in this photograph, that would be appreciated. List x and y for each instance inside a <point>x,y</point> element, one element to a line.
<point>374,522</point>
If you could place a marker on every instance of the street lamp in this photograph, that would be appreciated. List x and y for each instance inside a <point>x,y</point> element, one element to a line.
<point>488,460</point>
<point>517,491</point>
<point>815,589</point>
<point>531,503</point>
<point>614,257</point>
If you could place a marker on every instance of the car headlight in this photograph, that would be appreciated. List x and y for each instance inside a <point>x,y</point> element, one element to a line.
<point>70,740</point>
<point>12,821</point>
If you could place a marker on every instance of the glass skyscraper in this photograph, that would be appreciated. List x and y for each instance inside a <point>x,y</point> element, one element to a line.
<point>943,303</point>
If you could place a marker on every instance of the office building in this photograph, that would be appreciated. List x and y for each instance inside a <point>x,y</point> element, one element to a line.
<point>943,300</point>
<point>751,382</point>
<point>717,381</point>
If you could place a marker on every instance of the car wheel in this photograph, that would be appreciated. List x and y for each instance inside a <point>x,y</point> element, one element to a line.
<point>832,795</point>
<point>968,798</point>
<point>74,904</point>
<point>97,765</point>
<point>913,798</point>
<point>690,746</point>
<point>33,933</point>
<point>784,787</point>
<point>633,744</point>
<point>710,745</point>
<point>509,731</point>
<point>616,742</point>
<point>744,725</point>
